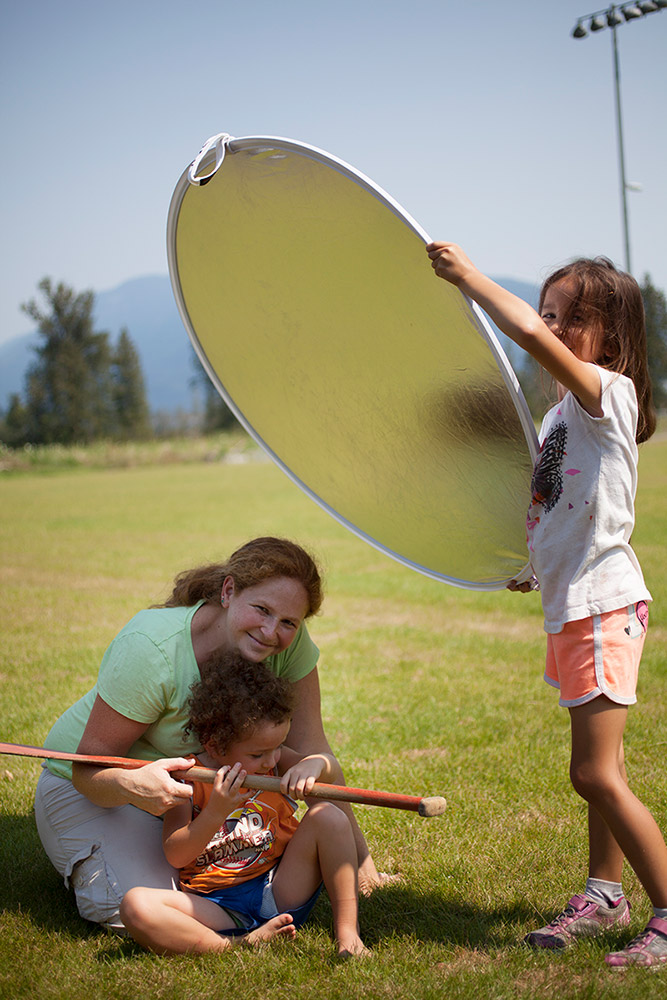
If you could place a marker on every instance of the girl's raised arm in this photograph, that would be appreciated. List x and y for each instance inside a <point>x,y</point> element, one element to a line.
<point>520,323</point>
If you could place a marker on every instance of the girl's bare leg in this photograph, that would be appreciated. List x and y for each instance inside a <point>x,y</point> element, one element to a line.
<point>605,857</point>
<point>323,849</point>
<point>177,923</point>
<point>619,824</point>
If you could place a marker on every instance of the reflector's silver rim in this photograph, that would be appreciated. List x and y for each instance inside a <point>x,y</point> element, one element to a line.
<point>235,144</point>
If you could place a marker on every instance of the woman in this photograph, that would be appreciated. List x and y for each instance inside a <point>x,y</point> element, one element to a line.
<point>100,826</point>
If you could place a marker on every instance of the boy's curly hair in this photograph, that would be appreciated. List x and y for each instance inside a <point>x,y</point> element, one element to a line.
<point>233,698</point>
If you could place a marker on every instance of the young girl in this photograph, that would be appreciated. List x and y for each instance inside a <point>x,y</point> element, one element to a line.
<point>249,871</point>
<point>590,336</point>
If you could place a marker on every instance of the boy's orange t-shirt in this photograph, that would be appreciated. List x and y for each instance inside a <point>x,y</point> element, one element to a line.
<point>249,843</point>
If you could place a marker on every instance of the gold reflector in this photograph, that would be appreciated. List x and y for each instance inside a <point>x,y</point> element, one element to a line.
<point>380,390</point>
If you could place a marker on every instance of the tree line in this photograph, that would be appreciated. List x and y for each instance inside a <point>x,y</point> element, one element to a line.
<point>80,388</point>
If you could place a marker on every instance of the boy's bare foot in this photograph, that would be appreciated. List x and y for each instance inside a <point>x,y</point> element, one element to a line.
<point>280,926</point>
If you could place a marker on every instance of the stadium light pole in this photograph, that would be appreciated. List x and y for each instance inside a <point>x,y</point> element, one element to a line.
<point>597,21</point>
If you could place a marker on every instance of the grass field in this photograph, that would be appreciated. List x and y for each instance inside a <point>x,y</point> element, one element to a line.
<point>426,689</point>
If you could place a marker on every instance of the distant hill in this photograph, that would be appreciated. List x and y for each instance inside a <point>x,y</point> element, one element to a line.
<point>146,307</point>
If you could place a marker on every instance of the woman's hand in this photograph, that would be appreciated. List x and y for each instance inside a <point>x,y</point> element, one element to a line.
<point>525,587</point>
<point>152,787</point>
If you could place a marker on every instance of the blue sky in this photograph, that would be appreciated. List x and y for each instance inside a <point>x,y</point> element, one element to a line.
<point>484,119</point>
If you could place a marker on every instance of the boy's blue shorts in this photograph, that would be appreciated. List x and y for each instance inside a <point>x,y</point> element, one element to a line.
<point>250,904</point>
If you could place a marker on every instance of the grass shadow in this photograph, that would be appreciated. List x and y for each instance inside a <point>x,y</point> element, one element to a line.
<point>405,911</point>
<point>402,914</point>
<point>31,885</point>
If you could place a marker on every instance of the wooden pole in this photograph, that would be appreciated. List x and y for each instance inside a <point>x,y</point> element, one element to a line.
<point>430,806</point>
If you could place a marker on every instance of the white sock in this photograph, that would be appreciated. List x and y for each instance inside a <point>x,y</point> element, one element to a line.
<point>660,911</point>
<point>604,893</point>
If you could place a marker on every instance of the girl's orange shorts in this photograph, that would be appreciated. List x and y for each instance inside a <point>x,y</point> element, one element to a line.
<point>598,655</point>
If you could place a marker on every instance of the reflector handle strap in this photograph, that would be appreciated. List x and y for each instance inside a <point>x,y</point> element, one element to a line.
<point>217,142</point>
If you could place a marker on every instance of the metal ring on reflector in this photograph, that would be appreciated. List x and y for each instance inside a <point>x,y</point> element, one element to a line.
<point>380,390</point>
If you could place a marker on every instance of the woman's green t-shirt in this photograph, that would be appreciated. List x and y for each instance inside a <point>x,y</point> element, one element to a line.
<point>146,675</point>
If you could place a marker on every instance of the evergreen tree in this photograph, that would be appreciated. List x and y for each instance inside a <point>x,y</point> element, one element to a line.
<point>655,306</point>
<point>217,415</point>
<point>132,420</point>
<point>68,386</point>
<point>13,428</point>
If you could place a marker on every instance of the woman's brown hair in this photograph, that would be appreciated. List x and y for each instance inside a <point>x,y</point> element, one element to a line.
<point>258,560</point>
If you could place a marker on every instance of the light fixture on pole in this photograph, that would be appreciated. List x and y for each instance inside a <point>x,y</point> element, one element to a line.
<point>597,21</point>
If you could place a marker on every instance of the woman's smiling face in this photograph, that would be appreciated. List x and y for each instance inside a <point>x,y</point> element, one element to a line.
<point>262,620</point>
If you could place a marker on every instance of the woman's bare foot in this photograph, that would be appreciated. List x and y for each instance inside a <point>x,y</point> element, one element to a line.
<point>370,881</point>
<point>280,926</point>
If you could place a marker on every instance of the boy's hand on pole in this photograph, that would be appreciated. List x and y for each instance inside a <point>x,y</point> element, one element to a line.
<point>298,781</point>
<point>228,791</point>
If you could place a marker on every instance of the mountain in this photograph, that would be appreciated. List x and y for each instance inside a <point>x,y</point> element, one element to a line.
<point>146,307</point>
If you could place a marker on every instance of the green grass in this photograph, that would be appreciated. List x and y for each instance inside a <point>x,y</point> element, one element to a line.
<point>426,689</point>
<point>113,454</point>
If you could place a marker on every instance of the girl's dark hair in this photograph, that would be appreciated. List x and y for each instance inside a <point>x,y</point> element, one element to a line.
<point>258,560</point>
<point>233,698</point>
<point>611,302</point>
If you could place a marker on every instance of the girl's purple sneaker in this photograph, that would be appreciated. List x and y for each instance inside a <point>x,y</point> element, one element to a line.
<point>648,949</point>
<point>580,918</point>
